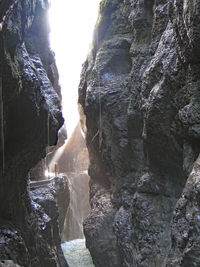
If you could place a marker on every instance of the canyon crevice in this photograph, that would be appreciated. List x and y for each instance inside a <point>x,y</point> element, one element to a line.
<point>140,112</point>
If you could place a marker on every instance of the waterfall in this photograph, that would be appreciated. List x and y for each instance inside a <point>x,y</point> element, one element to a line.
<point>78,207</point>
<point>72,159</point>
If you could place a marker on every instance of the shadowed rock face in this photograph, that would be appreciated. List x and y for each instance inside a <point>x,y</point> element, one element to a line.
<point>30,119</point>
<point>139,91</point>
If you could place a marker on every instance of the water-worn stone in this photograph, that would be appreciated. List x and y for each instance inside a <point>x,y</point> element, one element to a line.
<point>139,92</point>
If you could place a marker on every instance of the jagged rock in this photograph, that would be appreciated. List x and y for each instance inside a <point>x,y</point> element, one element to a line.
<point>62,198</point>
<point>38,172</point>
<point>55,191</point>
<point>99,226</point>
<point>30,117</point>
<point>185,224</point>
<point>139,95</point>
<point>52,201</point>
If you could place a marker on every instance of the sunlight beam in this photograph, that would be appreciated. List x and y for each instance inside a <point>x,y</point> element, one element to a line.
<point>72,24</point>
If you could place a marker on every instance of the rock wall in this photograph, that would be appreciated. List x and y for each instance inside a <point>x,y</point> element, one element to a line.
<point>139,92</point>
<point>52,200</point>
<point>30,118</point>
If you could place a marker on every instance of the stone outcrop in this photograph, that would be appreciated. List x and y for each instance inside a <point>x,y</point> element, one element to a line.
<point>139,93</point>
<point>38,172</point>
<point>30,117</point>
<point>52,202</point>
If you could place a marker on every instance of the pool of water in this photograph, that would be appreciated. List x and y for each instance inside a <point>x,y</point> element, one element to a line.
<point>76,253</point>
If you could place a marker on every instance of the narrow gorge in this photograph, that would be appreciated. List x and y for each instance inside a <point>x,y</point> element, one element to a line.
<point>139,114</point>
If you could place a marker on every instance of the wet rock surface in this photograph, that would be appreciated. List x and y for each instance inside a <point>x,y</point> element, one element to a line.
<point>139,94</point>
<point>52,201</point>
<point>53,196</point>
<point>30,117</point>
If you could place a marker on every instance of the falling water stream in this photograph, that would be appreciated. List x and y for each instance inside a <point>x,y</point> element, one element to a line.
<point>72,24</point>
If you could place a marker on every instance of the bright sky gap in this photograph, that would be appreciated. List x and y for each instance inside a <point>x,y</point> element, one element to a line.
<point>72,24</point>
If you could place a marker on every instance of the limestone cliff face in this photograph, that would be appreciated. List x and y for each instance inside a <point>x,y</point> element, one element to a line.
<point>139,91</point>
<point>30,119</point>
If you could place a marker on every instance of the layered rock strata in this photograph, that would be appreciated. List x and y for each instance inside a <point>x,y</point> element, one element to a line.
<point>30,119</point>
<point>139,92</point>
